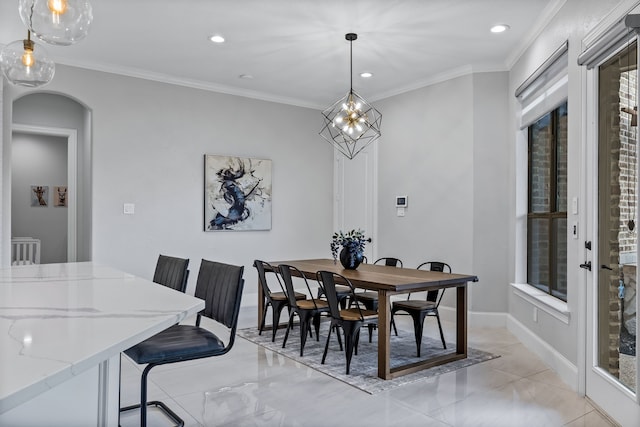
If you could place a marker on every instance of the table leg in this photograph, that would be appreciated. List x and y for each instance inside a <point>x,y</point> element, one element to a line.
<point>384,319</point>
<point>461,321</point>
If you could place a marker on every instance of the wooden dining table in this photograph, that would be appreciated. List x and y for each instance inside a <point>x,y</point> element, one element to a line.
<point>388,281</point>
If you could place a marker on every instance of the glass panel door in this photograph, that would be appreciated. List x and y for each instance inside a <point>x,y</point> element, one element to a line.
<point>615,319</point>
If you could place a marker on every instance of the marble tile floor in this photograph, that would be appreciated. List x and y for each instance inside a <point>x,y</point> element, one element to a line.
<point>252,386</point>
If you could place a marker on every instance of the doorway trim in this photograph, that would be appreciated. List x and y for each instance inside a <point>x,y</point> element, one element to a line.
<point>72,176</point>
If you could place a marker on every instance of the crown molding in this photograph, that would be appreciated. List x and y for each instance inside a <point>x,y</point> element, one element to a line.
<point>440,78</point>
<point>193,84</point>
<point>541,23</point>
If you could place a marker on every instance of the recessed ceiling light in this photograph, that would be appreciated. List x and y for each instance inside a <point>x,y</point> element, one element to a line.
<point>245,76</point>
<point>366,74</point>
<point>216,38</point>
<point>500,28</point>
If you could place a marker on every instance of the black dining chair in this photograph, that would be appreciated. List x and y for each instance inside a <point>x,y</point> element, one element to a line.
<point>420,309</point>
<point>276,299</point>
<point>307,310</point>
<point>350,320</point>
<point>220,286</point>
<point>369,299</point>
<point>172,272</point>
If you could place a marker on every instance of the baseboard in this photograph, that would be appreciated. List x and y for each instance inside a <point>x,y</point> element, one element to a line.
<point>566,370</point>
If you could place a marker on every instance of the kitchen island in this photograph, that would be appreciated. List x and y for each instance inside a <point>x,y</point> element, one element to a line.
<point>63,328</point>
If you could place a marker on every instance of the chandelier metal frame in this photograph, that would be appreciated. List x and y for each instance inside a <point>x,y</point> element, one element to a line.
<point>351,123</point>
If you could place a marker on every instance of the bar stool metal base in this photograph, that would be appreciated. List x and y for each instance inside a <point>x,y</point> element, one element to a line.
<point>162,407</point>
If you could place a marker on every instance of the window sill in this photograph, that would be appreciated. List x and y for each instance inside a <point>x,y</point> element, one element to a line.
<point>555,307</point>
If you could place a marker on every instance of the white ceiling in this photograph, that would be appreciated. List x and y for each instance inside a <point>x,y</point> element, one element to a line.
<point>295,49</point>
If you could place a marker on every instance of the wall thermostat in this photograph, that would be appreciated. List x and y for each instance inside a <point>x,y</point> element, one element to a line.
<point>402,201</point>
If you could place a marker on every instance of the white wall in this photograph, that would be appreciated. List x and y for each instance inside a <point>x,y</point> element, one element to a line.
<point>490,192</point>
<point>149,140</point>
<point>39,160</point>
<point>426,153</point>
<point>444,147</point>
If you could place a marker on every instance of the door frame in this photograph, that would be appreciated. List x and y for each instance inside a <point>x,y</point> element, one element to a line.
<point>597,384</point>
<point>340,163</point>
<point>72,176</point>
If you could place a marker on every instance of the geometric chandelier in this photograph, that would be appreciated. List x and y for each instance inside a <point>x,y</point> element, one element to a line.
<point>57,22</point>
<point>351,123</point>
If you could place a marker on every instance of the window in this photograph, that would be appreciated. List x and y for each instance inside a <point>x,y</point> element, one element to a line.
<point>547,206</point>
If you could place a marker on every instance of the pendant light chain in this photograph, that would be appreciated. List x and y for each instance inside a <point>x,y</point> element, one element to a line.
<point>351,64</point>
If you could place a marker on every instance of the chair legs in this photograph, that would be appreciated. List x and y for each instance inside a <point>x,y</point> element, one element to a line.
<point>276,309</point>
<point>333,326</point>
<point>143,405</point>
<point>418,327</point>
<point>418,324</point>
<point>444,344</point>
<point>393,323</point>
<point>351,337</point>
<point>306,319</point>
<point>305,328</point>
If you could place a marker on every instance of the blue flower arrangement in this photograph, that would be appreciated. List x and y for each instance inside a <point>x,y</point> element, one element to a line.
<point>353,241</point>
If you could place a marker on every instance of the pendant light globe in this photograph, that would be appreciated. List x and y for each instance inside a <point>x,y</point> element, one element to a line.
<point>25,63</point>
<point>57,22</point>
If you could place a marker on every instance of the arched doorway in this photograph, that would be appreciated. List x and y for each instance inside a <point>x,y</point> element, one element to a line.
<point>51,146</point>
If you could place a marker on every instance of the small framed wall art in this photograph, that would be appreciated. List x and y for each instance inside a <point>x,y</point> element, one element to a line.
<point>40,195</point>
<point>60,196</point>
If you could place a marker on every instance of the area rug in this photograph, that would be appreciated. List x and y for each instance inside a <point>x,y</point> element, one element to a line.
<point>364,366</point>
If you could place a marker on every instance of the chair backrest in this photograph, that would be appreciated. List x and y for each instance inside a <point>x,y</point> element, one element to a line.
<point>220,286</point>
<point>285,272</point>
<point>172,272</point>
<point>389,262</point>
<point>25,251</point>
<point>435,266</point>
<point>263,269</point>
<point>328,282</point>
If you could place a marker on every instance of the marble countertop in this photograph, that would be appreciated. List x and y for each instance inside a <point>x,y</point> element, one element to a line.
<point>59,320</point>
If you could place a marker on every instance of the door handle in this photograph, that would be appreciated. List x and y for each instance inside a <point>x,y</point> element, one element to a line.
<point>586,265</point>
<point>606,267</point>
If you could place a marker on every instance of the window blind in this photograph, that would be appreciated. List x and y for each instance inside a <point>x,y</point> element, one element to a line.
<point>605,46</point>
<point>546,88</point>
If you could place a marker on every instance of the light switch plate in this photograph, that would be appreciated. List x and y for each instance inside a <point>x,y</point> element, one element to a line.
<point>129,208</point>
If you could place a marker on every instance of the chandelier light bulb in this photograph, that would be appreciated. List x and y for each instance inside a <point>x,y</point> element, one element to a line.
<point>27,56</point>
<point>57,22</point>
<point>57,7</point>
